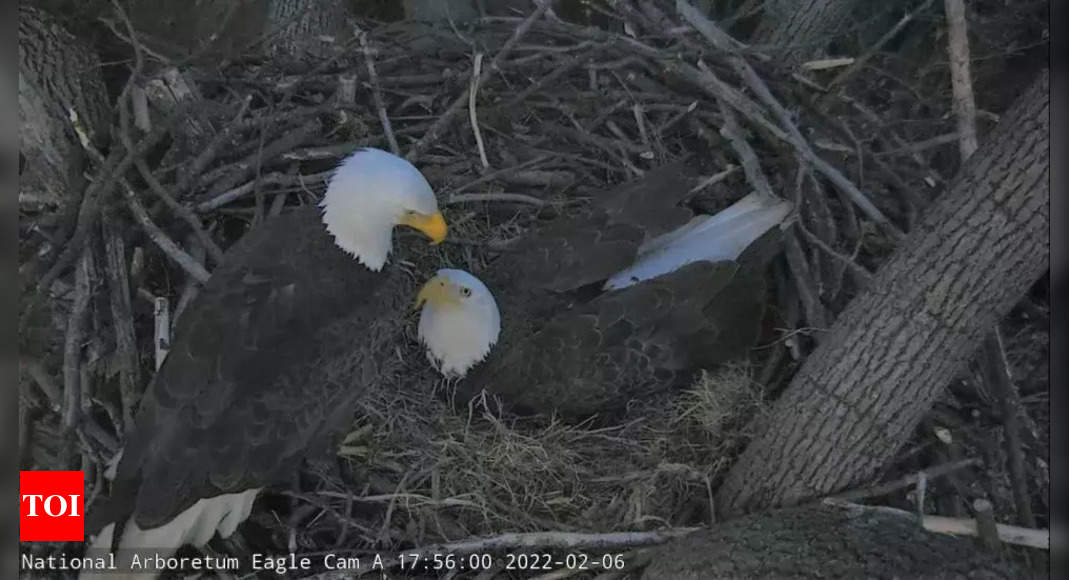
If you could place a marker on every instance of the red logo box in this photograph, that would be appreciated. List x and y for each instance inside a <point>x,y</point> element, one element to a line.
<point>51,506</point>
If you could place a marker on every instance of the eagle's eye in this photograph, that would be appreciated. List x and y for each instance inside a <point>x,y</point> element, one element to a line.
<point>465,292</point>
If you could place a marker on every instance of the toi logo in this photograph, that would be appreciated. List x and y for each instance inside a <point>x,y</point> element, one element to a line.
<point>51,506</point>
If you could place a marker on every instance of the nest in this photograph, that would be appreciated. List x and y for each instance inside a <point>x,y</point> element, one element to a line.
<point>512,120</point>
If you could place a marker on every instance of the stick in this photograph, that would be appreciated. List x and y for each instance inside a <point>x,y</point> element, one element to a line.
<point>347,90</point>
<point>750,165</point>
<point>160,238</point>
<point>274,178</point>
<point>140,105</point>
<point>44,381</point>
<point>904,482</point>
<point>503,172</point>
<point>123,320</point>
<point>815,313</point>
<point>476,71</point>
<point>960,76</point>
<point>875,48</point>
<point>158,189</point>
<point>189,178</point>
<point>88,212</point>
<point>450,113</point>
<point>1032,538</point>
<point>547,541</point>
<point>230,175</point>
<point>73,340</point>
<point>985,524</point>
<point>715,178</point>
<point>459,198</point>
<point>998,378</point>
<point>376,94</point>
<point>183,212</point>
<point>793,136</point>
<point>161,313</point>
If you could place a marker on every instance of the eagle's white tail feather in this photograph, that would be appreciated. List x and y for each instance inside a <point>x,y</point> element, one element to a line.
<point>220,514</point>
<point>722,236</point>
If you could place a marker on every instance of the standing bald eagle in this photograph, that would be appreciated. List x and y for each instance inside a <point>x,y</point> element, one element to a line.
<point>628,298</point>
<point>264,369</point>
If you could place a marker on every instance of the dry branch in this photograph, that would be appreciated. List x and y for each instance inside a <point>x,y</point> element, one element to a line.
<point>454,108</point>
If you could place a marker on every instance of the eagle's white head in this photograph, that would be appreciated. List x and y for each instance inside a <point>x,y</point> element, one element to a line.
<point>459,322</point>
<point>371,192</point>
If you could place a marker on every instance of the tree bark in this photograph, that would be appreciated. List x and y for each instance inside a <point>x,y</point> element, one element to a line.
<point>824,542</point>
<point>57,73</point>
<point>798,29</point>
<point>885,361</point>
<point>300,31</point>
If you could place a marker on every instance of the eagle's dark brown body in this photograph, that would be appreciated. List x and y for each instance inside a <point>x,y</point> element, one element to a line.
<point>564,351</point>
<point>265,367</point>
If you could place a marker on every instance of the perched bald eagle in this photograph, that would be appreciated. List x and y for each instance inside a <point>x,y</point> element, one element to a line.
<point>626,299</point>
<point>268,362</point>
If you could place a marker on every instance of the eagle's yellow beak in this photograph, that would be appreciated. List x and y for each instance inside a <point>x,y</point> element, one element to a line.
<point>437,291</point>
<point>433,226</point>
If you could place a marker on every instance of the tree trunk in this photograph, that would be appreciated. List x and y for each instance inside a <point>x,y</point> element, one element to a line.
<point>301,31</point>
<point>57,73</point>
<point>886,360</point>
<point>824,542</point>
<point>798,29</point>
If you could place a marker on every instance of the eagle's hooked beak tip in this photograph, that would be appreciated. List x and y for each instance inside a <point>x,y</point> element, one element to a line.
<point>433,226</point>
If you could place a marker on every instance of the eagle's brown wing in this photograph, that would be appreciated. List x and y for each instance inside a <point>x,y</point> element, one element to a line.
<point>597,356</point>
<point>560,354</point>
<point>567,254</point>
<point>222,415</point>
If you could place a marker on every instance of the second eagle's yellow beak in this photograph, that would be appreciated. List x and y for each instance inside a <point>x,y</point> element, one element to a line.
<point>437,291</point>
<point>433,226</point>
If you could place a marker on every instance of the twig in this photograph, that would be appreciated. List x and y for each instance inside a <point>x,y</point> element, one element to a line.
<point>815,313</point>
<point>189,178</point>
<point>190,288</point>
<point>750,165</point>
<point>454,108</point>
<point>875,48</point>
<point>961,78</point>
<point>247,188</point>
<point>74,338</point>
<point>913,148</point>
<point>503,172</point>
<point>715,178</point>
<point>160,238</point>
<point>548,541</point>
<point>139,102</point>
<point>158,189</point>
<point>113,167</point>
<point>123,320</point>
<point>161,314</point>
<point>347,90</point>
<point>459,198</point>
<point>183,212</point>
<point>230,175</point>
<point>904,482</point>
<point>561,70</point>
<point>793,136</point>
<point>44,381</point>
<point>985,524</point>
<point>473,94</point>
<point>376,94</point>
<point>998,378</point>
<point>1032,538</point>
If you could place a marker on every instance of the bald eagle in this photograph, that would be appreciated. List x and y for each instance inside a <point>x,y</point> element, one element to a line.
<point>625,299</point>
<point>263,370</point>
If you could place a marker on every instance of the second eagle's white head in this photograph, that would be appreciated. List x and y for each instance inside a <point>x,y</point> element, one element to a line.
<point>370,193</point>
<point>459,322</point>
